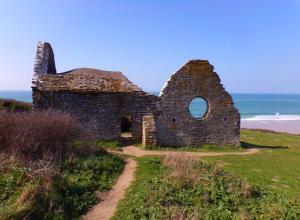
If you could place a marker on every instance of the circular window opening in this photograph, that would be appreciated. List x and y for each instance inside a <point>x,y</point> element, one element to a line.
<point>198,107</point>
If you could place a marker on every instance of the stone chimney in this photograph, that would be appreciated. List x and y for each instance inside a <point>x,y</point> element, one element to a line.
<point>44,61</point>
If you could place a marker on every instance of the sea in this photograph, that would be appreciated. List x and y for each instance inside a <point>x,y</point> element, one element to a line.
<point>252,107</point>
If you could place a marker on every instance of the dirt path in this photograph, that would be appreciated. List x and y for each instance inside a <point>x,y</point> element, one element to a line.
<point>139,152</point>
<point>106,208</point>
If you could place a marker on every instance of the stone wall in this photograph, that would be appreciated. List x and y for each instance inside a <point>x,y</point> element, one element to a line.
<point>149,131</point>
<point>99,99</point>
<point>177,127</point>
<point>100,113</point>
<point>172,124</point>
<point>44,60</point>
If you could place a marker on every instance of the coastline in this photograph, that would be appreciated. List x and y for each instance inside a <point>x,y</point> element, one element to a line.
<point>285,126</point>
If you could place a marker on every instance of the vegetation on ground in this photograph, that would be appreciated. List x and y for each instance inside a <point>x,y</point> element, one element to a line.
<point>179,187</point>
<point>45,173</point>
<point>110,145</point>
<point>203,148</point>
<point>34,135</point>
<point>13,105</point>
<point>276,166</point>
<point>64,191</point>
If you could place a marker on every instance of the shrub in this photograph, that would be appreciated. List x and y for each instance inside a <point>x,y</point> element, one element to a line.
<point>13,105</point>
<point>66,194</point>
<point>45,171</point>
<point>36,135</point>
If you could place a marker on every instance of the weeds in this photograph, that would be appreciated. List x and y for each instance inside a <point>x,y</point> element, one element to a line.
<point>64,194</point>
<point>45,172</point>
<point>181,187</point>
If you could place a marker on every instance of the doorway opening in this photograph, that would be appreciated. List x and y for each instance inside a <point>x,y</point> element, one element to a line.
<point>126,127</point>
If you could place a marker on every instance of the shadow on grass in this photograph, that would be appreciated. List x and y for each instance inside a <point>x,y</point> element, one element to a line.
<point>249,145</point>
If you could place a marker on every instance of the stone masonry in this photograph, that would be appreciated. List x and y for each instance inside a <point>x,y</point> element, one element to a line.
<point>177,127</point>
<point>99,99</point>
<point>149,131</point>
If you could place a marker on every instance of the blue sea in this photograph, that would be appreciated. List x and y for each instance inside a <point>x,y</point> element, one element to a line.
<point>251,106</point>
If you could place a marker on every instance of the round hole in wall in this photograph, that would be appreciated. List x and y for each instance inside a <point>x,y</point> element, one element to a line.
<point>198,107</point>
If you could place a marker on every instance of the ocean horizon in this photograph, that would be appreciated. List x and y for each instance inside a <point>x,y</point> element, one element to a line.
<point>252,106</point>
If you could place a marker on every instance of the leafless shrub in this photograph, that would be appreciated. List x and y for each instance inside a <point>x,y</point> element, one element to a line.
<point>182,168</point>
<point>37,135</point>
<point>247,190</point>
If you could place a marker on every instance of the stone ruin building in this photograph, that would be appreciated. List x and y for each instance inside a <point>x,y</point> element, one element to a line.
<point>108,105</point>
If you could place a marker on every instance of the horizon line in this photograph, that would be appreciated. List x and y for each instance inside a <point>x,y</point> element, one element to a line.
<point>148,91</point>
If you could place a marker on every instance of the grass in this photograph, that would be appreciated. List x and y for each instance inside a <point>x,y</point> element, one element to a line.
<point>69,193</point>
<point>46,170</point>
<point>183,188</point>
<point>277,165</point>
<point>148,171</point>
<point>109,145</point>
<point>203,148</point>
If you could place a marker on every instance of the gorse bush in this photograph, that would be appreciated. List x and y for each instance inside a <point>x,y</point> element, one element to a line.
<point>38,134</point>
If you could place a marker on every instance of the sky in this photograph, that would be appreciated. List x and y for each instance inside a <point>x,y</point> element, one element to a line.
<point>254,45</point>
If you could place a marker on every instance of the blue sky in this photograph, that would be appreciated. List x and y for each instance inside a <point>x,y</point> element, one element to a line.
<point>254,45</point>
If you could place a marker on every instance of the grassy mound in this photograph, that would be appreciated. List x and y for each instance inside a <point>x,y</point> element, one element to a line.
<point>183,188</point>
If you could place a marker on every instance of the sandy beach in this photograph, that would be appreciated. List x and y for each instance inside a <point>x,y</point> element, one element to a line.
<point>292,126</point>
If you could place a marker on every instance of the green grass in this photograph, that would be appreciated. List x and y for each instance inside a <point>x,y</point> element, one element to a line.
<point>148,171</point>
<point>276,166</point>
<point>203,148</point>
<point>69,193</point>
<point>111,145</point>
<point>165,192</point>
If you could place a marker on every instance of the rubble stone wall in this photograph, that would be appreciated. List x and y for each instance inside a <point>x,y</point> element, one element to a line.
<point>149,131</point>
<point>44,60</point>
<point>177,127</point>
<point>100,113</point>
<point>99,99</point>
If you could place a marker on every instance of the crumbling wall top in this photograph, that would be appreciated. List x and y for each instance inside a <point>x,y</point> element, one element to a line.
<point>46,78</point>
<point>44,60</point>
<point>87,80</point>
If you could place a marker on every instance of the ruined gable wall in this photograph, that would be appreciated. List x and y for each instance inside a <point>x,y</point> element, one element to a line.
<point>176,126</point>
